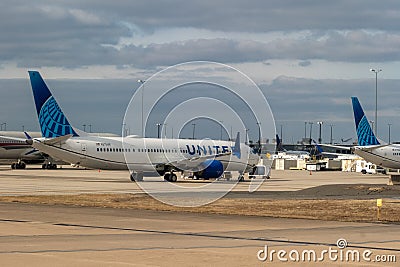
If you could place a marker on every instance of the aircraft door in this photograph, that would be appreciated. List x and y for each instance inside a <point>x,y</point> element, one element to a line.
<point>83,150</point>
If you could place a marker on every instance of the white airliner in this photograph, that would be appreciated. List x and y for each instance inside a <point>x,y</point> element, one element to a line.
<point>14,149</point>
<point>369,147</point>
<point>18,151</point>
<point>205,158</point>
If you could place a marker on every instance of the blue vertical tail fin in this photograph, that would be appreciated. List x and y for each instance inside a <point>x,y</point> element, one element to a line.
<point>53,122</point>
<point>365,135</point>
<point>318,147</point>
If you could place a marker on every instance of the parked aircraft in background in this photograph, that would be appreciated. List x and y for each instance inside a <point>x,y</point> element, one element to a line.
<point>19,152</point>
<point>289,154</point>
<point>341,152</point>
<point>21,135</point>
<point>369,147</point>
<point>205,158</point>
<point>15,150</point>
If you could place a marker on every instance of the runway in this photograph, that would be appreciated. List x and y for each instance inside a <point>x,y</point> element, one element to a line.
<point>68,180</point>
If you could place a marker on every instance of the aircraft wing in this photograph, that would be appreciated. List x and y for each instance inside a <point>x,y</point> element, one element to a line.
<point>335,146</point>
<point>11,147</point>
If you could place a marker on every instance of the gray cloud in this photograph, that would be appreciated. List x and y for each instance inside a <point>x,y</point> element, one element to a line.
<point>72,54</point>
<point>356,46</point>
<point>73,34</point>
<point>305,63</point>
<point>76,34</point>
<point>251,16</point>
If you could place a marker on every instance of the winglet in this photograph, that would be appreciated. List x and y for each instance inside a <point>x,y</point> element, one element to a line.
<point>27,136</point>
<point>236,148</point>
<point>279,146</point>
<point>365,135</point>
<point>319,148</point>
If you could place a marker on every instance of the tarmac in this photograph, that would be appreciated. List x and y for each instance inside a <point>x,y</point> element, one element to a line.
<point>59,235</point>
<point>69,180</point>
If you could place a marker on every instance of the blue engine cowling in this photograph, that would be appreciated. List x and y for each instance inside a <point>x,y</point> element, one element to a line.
<point>211,169</point>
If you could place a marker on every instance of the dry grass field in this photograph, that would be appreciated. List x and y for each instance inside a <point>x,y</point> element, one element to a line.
<point>353,210</point>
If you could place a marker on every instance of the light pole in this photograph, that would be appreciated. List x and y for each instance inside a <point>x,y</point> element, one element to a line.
<point>331,125</point>
<point>194,128</point>
<point>84,127</point>
<point>259,138</point>
<point>158,129</point>
<point>142,83</point>
<point>282,133</point>
<point>320,131</point>
<point>311,123</point>
<point>376,71</point>
<point>305,131</point>
<point>389,125</point>
<point>5,126</point>
<point>90,128</point>
<point>246,135</point>
<point>220,123</point>
<point>165,130</point>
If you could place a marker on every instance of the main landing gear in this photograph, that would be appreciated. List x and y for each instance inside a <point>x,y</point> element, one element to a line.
<point>18,165</point>
<point>170,177</point>
<point>49,166</point>
<point>136,176</point>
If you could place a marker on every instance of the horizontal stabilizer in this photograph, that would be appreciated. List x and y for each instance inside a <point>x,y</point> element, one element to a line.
<point>370,148</point>
<point>57,140</point>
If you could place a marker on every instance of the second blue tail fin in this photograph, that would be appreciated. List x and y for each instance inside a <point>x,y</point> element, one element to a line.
<point>365,135</point>
<point>52,120</point>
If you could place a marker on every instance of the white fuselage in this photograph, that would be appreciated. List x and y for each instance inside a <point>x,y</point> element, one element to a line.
<point>385,156</point>
<point>16,148</point>
<point>143,154</point>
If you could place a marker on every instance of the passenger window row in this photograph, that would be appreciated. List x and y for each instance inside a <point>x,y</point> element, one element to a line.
<point>147,150</point>
<point>101,149</point>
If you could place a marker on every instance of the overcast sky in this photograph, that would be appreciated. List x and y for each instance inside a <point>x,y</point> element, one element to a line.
<point>308,57</point>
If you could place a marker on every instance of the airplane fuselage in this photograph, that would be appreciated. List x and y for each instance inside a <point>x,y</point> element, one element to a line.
<point>16,148</point>
<point>144,154</point>
<point>385,156</point>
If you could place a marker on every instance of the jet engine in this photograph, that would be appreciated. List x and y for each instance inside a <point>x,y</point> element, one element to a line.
<point>211,169</point>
